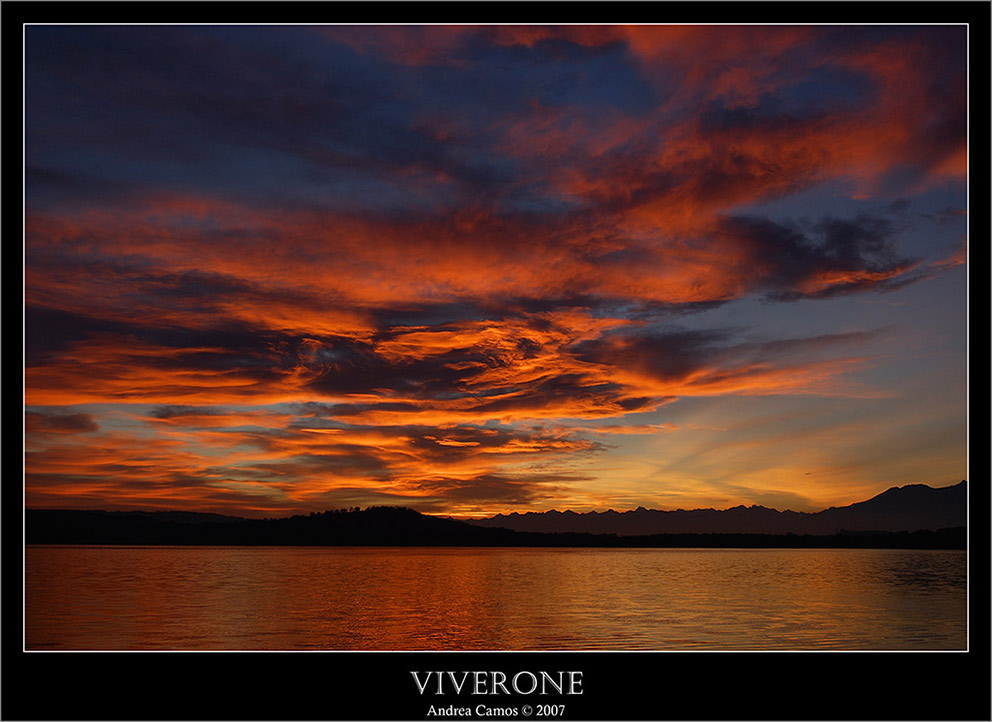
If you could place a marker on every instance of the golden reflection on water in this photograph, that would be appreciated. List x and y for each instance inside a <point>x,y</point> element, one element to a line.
<point>362,598</point>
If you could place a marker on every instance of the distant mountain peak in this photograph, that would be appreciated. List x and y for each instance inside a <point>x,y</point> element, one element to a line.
<point>907,508</point>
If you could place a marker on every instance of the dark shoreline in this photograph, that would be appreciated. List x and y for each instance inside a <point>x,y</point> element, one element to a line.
<point>396,527</point>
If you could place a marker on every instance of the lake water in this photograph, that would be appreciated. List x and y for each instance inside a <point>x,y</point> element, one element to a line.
<point>351,598</point>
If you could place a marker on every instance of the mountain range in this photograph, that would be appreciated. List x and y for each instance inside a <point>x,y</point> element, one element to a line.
<point>906,508</point>
<point>909,517</point>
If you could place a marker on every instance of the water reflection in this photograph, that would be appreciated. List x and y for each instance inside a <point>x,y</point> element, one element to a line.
<point>502,599</point>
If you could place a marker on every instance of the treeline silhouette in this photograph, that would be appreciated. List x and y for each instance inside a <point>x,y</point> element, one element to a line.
<point>398,526</point>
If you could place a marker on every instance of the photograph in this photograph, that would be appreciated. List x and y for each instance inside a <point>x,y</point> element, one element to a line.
<point>505,369</point>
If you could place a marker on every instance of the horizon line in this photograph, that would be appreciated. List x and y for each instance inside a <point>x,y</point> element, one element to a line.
<point>476,518</point>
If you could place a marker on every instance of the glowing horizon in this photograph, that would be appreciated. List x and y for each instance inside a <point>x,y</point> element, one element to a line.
<point>482,269</point>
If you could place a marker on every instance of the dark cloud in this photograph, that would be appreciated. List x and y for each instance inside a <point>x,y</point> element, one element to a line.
<point>53,422</point>
<point>678,355</point>
<point>947,215</point>
<point>348,461</point>
<point>270,109</point>
<point>504,488</point>
<point>313,409</point>
<point>833,256</point>
<point>140,283</point>
<point>568,394</point>
<point>349,366</point>
<point>766,118</point>
<point>45,186</point>
<point>426,313</point>
<point>173,411</point>
<point>670,355</point>
<point>466,442</point>
<point>48,332</point>
<point>806,347</point>
<point>229,347</point>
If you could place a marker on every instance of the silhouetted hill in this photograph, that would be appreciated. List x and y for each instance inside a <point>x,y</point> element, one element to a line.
<point>907,508</point>
<point>392,526</point>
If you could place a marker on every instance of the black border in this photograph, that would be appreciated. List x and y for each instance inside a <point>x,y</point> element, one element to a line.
<point>616,686</point>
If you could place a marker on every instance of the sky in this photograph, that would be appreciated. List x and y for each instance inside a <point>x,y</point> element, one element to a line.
<point>270,270</point>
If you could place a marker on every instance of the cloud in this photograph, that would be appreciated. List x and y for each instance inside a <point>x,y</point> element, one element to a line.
<point>681,362</point>
<point>289,461</point>
<point>58,423</point>
<point>433,262</point>
<point>835,256</point>
<point>481,491</point>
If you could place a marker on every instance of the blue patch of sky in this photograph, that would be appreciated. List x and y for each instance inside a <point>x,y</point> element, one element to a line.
<point>257,175</point>
<point>802,318</point>
<point>538,199</point>
<point>163,106</point>
<point>821,92</point>
<point>506,80</point>
<point>826,90</point>
<point>587,78</point>
<point>916,332</point>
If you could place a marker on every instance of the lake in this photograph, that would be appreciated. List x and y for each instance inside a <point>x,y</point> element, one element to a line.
<point>373,598</point>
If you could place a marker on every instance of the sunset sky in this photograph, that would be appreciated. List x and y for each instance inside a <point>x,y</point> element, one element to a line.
<point>478,269</point>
